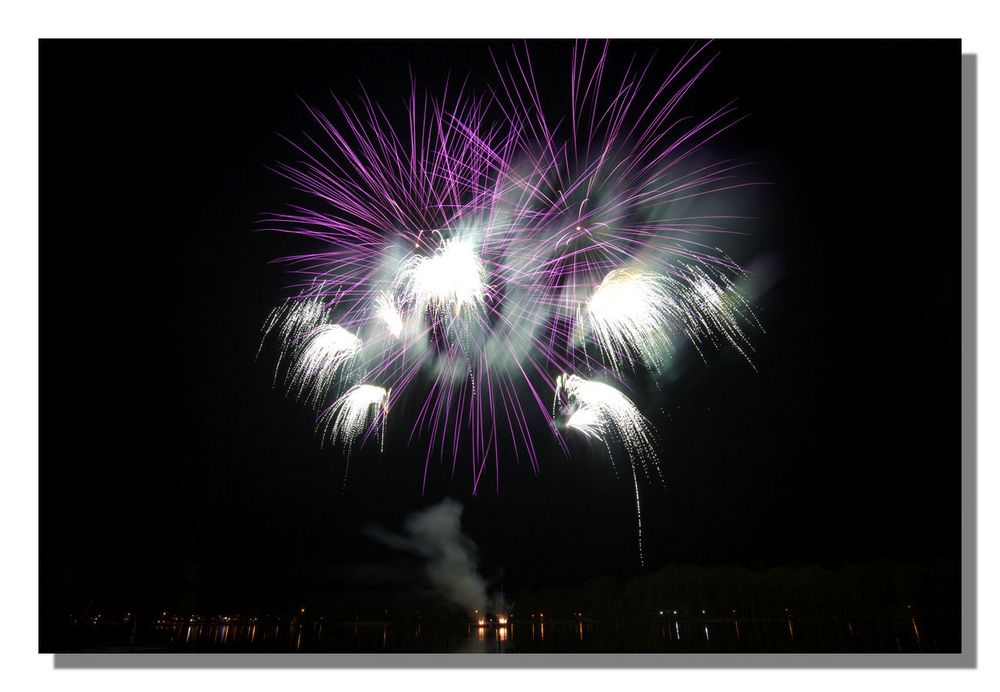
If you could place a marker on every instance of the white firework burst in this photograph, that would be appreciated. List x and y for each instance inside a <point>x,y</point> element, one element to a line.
<point>361,407</point>
<point>320,356</point>
<point>636,316</point>
<point>451,279</point>
<point>629,315</point>
<point>600,411</point>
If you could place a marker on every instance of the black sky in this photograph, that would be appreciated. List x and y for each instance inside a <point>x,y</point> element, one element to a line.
<point>168,459</point>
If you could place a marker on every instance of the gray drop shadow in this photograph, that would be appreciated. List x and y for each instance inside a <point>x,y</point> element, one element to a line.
<point>965,659</point>
<point>969,356</point>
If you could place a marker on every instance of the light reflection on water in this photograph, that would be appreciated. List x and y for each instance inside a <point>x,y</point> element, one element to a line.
<point>712,635</point>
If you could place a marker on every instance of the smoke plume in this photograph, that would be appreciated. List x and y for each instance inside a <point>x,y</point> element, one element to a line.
<point>450,557</point>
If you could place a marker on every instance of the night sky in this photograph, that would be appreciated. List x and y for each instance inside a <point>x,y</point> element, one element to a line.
<point>169,459</point>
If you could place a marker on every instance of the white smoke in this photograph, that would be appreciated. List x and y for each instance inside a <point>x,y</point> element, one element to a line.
<point>450,556</point>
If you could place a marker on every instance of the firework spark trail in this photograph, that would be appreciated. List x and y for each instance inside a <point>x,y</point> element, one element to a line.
<point>638,515</point>
<point>486,246</point>
<point>716,309</point>
<point>387,311</point>
<point>291,319</point>
<point>599,411</point>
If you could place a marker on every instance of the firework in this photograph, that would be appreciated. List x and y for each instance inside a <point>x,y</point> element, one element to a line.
<point>387,311</point>
<point>362,408</point>
<point>600,411</point>
<point>292,319</point>
<point>474,256</point>
<point>715,310</point>
<point>630,314</point>
<point>445,282</point>
<point>320,356</point>
<point>637,316</point>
